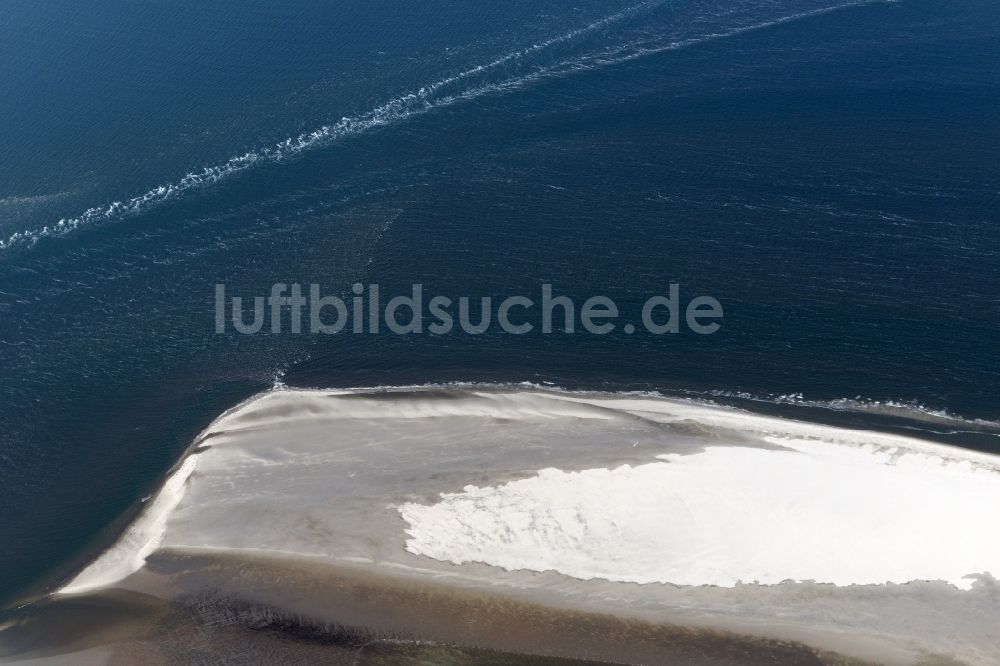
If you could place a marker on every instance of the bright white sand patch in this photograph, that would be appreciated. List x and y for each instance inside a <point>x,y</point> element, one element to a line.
<point>820,511</point>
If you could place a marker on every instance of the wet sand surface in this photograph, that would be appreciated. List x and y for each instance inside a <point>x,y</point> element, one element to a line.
<point>212,608</point>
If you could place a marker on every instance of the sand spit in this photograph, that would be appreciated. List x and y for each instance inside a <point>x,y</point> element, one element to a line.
<point>446,487</point>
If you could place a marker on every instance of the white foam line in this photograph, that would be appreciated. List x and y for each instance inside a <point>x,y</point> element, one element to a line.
<point>610,58</point>
<point>607,59</point>
<point>394,110</point>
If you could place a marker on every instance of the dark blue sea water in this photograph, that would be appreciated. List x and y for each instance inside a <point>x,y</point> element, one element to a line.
<point>827,170</point>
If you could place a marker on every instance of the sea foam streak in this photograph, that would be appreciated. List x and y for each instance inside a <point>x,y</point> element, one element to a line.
<point>394,110</point>
<point>426,98</point>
